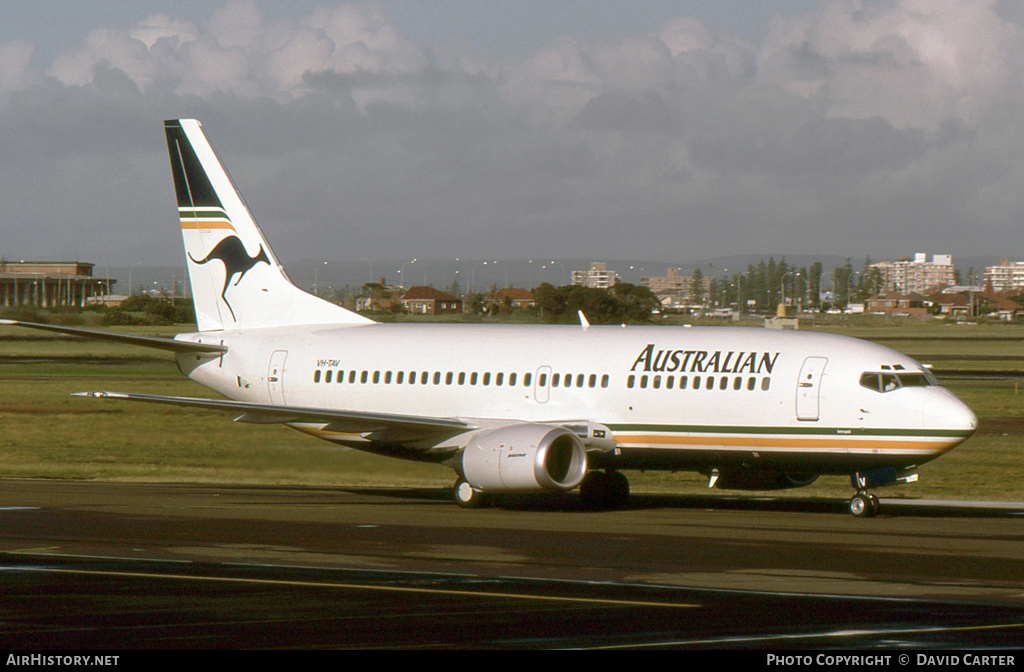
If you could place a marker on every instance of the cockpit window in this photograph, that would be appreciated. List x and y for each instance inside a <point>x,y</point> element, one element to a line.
<point>887,382</point>
<point>913,380</point>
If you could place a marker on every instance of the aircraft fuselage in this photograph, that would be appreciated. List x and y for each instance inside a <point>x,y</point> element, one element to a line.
<point>669,398</point>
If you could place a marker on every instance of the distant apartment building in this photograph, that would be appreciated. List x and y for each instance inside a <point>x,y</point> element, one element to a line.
<point>1006,277</point>
<point>673,283</point>
<point>917,276</point>
<point>598,277</point>
<point>50,283</point>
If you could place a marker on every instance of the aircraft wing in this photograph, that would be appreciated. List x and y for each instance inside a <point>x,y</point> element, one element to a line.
<point>144,341</point>
<point>342,421</point>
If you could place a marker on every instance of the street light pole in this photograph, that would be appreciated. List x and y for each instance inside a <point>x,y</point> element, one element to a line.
<point>401,280</point>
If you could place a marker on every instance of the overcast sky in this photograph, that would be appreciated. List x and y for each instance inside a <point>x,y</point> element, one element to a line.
<point>654,129</point>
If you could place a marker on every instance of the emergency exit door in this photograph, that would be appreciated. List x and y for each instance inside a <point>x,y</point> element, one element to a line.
<point>275,377</point>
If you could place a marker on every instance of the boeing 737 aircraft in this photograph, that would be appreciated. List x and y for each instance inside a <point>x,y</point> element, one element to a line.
<point>535,408</point>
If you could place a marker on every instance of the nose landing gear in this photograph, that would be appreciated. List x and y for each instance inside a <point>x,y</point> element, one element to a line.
<point>864,505</point>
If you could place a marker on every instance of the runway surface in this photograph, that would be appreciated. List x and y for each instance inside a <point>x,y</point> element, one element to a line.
<point>123,566</point>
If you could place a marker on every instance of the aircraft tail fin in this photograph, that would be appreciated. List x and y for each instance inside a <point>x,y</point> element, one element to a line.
<point>237,282</point>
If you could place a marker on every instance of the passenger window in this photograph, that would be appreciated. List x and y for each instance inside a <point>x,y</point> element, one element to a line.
<point>592,381</point>
<point>499,378</point>
<point>682,382</point>
<point>630,381</point>
<point>696,382</point>
<point>487,379</point>
<point>401,378</point>
<point>751,383</point>
<point>351,377</point>
<point>604,380</point>
<point>555,377</point>
<point>316,376</point>
<point>737,383</point>
<point>657,382</point>
<point>376,377</point>
<point>437,377</point>
<point>512,380</point>
<point>341,377</point>
<point>527,377</point>
<point>543,380</point>
<point>448,378</point>
<point>364,376</point>
<point>766,383</point>
<point>711,383</point>
<point>328,375</point>
<point>579,380</point>
<point>723,384</point>
<point>462,378</point>
<point>387,378</point>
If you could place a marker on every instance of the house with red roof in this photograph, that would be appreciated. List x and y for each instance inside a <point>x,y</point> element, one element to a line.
<point>429,301</point>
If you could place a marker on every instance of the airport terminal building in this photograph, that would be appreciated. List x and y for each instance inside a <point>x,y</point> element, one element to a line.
<point>50,283</point>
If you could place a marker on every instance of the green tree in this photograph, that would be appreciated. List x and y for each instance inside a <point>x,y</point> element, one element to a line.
<point>697,293</point>
<point>841,277</point>
<point>814,274</point>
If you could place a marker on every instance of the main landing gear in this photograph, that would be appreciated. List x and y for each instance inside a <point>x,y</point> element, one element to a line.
<point>468,497</point>
<point>604,490</point>
<point>864,505</point>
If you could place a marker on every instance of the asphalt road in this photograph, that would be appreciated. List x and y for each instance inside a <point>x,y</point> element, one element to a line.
<point>129,566</point>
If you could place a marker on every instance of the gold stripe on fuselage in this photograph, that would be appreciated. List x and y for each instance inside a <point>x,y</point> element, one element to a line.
<point>874,444</point>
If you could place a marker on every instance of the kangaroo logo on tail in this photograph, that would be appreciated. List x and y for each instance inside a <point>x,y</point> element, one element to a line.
<point>231,252</point>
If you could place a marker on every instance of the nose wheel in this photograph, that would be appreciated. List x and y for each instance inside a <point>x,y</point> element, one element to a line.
<point>864,505</point>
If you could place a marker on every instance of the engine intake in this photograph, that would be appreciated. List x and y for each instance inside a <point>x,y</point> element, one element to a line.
<point>524,458</point>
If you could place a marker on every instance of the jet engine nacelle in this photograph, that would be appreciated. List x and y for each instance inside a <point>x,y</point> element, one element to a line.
<point>524,458</point>
<point>762,480</point>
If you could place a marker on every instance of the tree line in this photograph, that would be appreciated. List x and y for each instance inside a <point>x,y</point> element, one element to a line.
<point>767,284</point>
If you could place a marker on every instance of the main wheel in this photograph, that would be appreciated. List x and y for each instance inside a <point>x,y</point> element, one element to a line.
<point>618,490</point>
<point>468,497</point>
<point>604,490</point>
<point>594,489</point>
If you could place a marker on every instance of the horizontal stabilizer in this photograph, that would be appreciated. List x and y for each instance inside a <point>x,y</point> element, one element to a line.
<point>158,342</point>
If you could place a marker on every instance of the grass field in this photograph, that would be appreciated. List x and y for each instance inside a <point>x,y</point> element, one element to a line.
<point>45,433</point>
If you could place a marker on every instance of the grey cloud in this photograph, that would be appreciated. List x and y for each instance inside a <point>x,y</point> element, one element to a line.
<point>618,149</point>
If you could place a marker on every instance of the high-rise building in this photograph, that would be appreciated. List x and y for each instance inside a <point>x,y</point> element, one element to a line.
<point>598,277</point>
<point>920,275</point>
<point>1006,277</point>
<point>672,283</point>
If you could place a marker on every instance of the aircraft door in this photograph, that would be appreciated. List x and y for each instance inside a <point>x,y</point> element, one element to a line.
<point>808,387</point>
<point>541,385</point>
<point>275,377</point>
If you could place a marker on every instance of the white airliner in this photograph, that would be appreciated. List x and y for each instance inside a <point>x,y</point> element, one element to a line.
<point>536,408</point>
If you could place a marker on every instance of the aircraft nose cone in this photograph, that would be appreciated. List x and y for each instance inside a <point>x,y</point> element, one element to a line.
<point>946,411</point>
